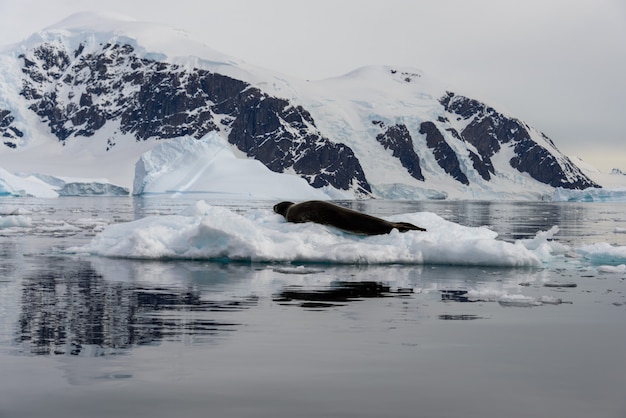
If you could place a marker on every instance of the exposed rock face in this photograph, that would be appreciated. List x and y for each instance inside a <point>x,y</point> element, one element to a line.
<point>445,155</point>
<point>9,133</point>
<point>489,131</point>
<point>398,139</point>
<point>76,93</point>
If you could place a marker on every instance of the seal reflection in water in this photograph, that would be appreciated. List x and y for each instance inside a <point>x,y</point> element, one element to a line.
<point>348,220</point>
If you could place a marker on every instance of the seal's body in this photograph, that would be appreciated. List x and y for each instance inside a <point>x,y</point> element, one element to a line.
<point>348,220</point>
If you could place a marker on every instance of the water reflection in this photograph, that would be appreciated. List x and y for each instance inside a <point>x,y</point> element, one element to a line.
<point>336,294</point>
<point>455,296</point>
<point>461,317</point>
<point>69,308</point>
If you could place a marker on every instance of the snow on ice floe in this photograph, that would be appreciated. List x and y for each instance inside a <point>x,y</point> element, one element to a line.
<point>206,232</point>
<point>208,165</point>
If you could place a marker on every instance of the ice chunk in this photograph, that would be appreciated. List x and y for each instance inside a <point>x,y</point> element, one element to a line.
<point>613,269</point>
<point>15,221</point>
<point>518,301</point>
<point>550,300</point>
<point>208,165</point>
<point>603,253</point>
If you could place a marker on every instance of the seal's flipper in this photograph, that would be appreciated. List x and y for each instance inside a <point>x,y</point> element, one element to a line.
<point>405,226</point>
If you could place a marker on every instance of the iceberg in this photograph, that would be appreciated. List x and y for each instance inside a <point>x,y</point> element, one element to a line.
<point>614,194</point>
<point>46,186</point>
<point>13,185</point>
<point>209,166</point>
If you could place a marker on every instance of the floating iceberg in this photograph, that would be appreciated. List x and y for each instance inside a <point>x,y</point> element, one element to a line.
<point>208,165</point>
<point>45,186</point>
<point>12,185</point>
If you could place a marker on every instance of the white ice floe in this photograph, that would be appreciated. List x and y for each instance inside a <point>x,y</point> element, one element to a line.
<point>209,232</point>
<point>15,221</point>
<point>619,269</point>
<point>603,253</point>
<point>519,301</point>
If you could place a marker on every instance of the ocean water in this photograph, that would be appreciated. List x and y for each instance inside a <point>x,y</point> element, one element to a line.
<point>84,335</point>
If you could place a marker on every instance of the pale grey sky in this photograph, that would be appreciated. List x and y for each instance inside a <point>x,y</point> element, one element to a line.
<point>559,65</point>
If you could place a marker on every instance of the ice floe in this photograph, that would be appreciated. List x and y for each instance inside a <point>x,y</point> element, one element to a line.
<point>208,232</point>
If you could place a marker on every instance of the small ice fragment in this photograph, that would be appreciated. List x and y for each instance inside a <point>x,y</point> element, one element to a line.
<point>518,301</point>
<point>613,269</point>
<point>550,300</point>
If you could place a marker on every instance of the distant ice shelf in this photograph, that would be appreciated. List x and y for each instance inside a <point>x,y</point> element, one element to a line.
<point>590,195</point>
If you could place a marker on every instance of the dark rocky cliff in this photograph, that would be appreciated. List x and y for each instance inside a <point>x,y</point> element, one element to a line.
<point>490,130</point>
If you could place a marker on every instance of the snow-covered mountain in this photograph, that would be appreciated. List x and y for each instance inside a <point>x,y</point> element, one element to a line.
<point>88,96</point>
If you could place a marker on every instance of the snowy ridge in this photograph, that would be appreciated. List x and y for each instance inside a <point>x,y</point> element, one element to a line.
<point>98,91</point>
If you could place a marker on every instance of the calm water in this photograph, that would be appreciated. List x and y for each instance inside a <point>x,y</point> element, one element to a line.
<point>87,336</point>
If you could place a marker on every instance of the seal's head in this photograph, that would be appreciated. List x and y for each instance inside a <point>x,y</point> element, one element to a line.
<point>282,207</point>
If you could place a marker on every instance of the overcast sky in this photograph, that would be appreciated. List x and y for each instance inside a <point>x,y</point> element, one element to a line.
<point>559,65</point>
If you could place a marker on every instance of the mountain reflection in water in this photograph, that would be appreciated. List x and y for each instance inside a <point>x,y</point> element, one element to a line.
<point>70,309</point>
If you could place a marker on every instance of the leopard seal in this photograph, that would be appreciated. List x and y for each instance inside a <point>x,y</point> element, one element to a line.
<point>348,220</point>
